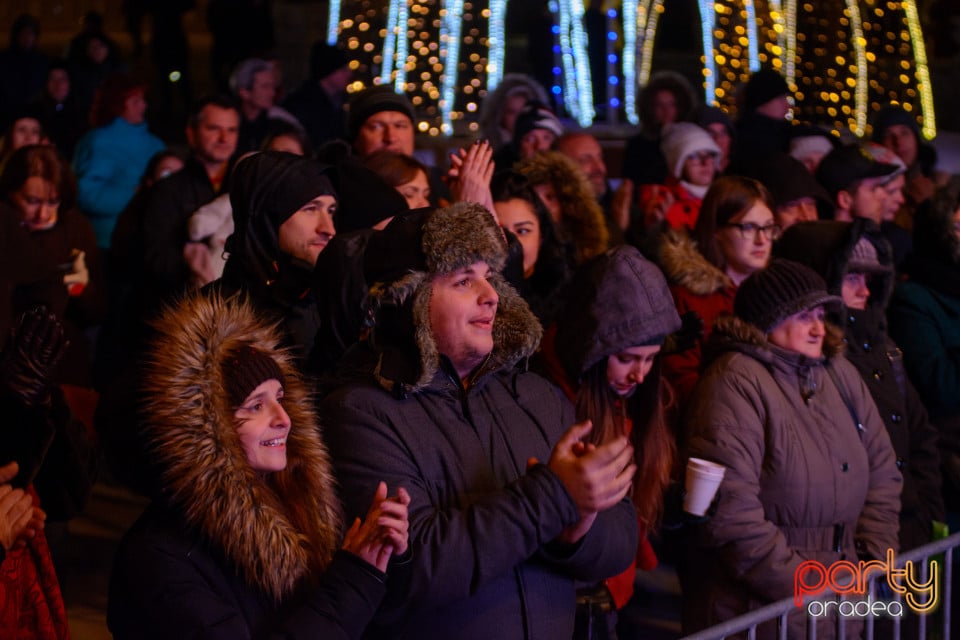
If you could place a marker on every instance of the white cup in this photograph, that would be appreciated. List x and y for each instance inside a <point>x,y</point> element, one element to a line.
<point>703,480</point>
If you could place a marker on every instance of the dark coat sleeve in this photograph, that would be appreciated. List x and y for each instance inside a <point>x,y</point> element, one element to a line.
<point>457,549</point>
<point>164,586</point>
<point>163,232</point>
<point>53,452</point>
<point>924,464</point>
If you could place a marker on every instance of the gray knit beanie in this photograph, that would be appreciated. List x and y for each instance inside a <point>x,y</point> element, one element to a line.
<point>769,296</point>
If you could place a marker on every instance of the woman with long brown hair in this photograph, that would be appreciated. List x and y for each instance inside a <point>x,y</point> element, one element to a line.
<point>618,314</point>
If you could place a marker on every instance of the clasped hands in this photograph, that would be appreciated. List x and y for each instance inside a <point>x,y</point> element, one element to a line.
<point>384,531</point>
<point>597,477</point>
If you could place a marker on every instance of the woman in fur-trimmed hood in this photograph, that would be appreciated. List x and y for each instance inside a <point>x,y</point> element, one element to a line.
<point>243,540</point>
<point>567,194</point>
<point>810,472</point>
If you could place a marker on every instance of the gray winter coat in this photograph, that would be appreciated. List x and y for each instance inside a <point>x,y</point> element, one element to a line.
<point>802,483</point>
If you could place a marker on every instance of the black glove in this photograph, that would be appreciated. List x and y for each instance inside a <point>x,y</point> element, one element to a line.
<point>691,330</point>
<point>36,346</point>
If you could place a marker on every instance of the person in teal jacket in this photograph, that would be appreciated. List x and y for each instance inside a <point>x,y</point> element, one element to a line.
<point>923,315</point>
<point>111,158</point>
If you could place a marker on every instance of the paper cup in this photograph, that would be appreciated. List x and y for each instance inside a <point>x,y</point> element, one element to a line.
<point>703,480</point>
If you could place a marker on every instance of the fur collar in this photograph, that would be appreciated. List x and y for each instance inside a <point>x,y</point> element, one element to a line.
<point>685,266</point>
<point>277,532</point>
<point>582,221</point>
<point>730,332</point>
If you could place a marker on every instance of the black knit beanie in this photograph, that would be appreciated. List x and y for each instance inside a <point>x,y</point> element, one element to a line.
<point>769,296</point>
<point>374,100</point>
<point>762,87</point>
<point>245,369</point>
<point>535,115</point>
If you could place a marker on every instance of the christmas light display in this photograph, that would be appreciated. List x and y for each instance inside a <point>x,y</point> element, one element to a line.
<point>844,60</point>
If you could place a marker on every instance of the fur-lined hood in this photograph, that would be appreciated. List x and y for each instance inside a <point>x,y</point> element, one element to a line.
<point>730,333</point>
<point>278,531</point>
<point>440,242</point>
<point>685,266</point>
<point>582,222</point>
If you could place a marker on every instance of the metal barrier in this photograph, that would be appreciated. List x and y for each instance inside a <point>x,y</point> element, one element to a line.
<point>779,610</point>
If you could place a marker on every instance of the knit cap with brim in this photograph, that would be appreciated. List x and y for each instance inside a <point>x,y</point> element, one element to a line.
<point>773,294</point>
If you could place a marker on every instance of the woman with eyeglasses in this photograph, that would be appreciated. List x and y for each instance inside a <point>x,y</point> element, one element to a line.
<point>733,238</point>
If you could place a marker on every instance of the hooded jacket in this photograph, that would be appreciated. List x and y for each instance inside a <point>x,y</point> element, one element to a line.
<point>826,247</point>
<point>226,552</point>
<point>481,518</point>
<point>924,316</point>
<point>268,188</point>
<point>582,224</point>
<point>619,300</point>
<point>696,285</point>
<point>802,481</point>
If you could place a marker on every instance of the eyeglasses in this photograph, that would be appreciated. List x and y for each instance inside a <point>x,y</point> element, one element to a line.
<point>749,230</point>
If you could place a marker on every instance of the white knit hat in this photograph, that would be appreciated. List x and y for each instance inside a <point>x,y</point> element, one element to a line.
<point>683,139</point>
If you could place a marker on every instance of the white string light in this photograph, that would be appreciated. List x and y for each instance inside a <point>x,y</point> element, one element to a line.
<point>451,25</point>
<point>707,15</point>
<point>584,84</point>
<point>859,48</point>
<point>649,35</point>
<point>403,17</point>
<point>752,53</point>
<point>923,73</point>
<point>497,43</point>
<point>390,41</point>
<point>631,25</point>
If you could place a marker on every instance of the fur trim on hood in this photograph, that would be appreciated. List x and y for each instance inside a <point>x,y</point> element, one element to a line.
<point>732,333</point>
<point>685,266</point>
<point>582,221</point>
<point>449,239</point>
<point>278,531</point>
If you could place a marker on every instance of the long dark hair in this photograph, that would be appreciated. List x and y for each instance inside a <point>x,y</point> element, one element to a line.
<point>655,450</point>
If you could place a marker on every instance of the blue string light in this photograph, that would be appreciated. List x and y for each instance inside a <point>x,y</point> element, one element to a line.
<point>450,28</point>
<point>752,52</point>
<point>709,60</point>
<point>629,59</point>
<point>497,43</point>
<point>333,23</point>
<point>389,42</point>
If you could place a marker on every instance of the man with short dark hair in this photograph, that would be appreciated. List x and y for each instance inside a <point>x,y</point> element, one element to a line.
<point>212,135</point>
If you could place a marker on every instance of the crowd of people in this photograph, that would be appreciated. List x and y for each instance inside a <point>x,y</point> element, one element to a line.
<point>371,397</point>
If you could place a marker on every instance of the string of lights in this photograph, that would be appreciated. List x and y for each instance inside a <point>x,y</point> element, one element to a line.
<point>629,56</point>
<point>842,60</point>
<point>923,72</point>
<point>450,29</point>
<point>496,39</point>
<point>707,17</point>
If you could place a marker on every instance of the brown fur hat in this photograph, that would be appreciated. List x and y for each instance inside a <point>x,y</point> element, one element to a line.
<point>439,243</point>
